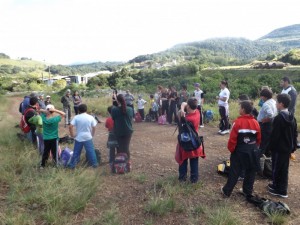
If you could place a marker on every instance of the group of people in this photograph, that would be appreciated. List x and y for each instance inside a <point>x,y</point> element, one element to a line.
<point>271,131</point>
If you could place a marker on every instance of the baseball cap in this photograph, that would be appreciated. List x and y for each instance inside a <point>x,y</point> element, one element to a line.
<point>48,96</point>
<point>48,107</point>
<point>197,85</point>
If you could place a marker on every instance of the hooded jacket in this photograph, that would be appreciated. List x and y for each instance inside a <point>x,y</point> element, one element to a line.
<point>284,133</point>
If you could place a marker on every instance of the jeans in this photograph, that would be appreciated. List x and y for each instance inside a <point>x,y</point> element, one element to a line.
<point>90,153</point>
<point>194,170</point>
<point>40,143</point>
<point>235,170</point>
<point>67,111</point>
<point>142,113</point>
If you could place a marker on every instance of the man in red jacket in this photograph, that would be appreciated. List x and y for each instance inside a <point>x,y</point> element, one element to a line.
<point>245,137</point>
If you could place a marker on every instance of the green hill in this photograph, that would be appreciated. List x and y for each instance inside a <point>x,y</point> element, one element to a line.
<point>288,36</point>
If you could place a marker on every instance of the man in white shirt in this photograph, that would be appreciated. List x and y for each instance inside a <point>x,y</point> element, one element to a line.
<point>85,126</point>
<point>199,95</point>
<point>285,83</point>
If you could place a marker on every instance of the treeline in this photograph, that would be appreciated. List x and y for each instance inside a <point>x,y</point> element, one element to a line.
<point>247,81</point>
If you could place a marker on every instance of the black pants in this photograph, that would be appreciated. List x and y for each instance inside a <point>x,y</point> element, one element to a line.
<point>142,113</point>
<point>236,167</point>
<point>224,118</point>
<point>76,110</point>
<point>49,145</point>
<point>123,142</point>
<point>164,107</point>
<point>266,129</point>
<point>199,107</point>
<point>171,112</point>
<point>153,114</point>
<point>280,171</point>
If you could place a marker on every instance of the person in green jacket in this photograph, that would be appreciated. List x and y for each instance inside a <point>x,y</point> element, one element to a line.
<point>122,116</point>
<point>50,132</point>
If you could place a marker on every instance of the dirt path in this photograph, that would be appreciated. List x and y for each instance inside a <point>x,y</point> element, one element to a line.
<point>152,153</point>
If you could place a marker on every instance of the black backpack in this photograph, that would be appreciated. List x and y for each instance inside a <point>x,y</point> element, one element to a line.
<point>188,138</point>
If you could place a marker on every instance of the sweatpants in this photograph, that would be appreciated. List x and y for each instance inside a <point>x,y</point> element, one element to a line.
<point>280,171</point>
<point>224,118</point>
<point>236,167</point>
<point>123,142</point>
<point>49,145</point>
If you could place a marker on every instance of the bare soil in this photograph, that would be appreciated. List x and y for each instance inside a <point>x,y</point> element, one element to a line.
<point>152,153</point>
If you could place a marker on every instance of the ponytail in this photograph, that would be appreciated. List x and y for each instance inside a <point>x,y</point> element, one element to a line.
<point>121,100</point>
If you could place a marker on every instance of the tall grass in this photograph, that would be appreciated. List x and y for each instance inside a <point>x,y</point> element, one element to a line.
<point>31,196</point>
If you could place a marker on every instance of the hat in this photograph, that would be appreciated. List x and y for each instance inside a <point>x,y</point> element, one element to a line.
<point>68,91</point>
<point>41,94</point>
<point>139,96</point>
<point>48,96</point>
<point>197,85</point>
<point>48,107</point>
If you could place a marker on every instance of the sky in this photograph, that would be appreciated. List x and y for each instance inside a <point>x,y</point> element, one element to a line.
<point>81,31</point>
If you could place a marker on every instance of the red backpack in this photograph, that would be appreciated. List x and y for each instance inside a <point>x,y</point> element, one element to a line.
<point>23,125</point>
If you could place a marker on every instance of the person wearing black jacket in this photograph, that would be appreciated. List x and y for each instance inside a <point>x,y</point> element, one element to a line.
<point>283,142</point>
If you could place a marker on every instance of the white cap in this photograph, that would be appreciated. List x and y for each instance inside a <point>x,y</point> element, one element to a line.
<point>50,107</point>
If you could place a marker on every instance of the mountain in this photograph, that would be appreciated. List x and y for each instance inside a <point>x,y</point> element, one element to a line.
<point>287,36</point>
<point>218,51</point>
<point>229,51</point>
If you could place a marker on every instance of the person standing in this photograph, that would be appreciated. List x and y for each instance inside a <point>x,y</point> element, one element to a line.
<point>224,107</point>
<point>28,114</point>
<point>265,118</point>
<point>199,95</point>
<point>76,101</point>
<point>41,101</point>
<point>48,100</point>
<point>285,83</point>
<point>141,106</point>
<point>85,125</point>
<point>164,101</point>
<point>183,95</point>
<point>243,144</point>
<point>190,113</point>
<point>66,101</point>
<point>172,105</point>
<point>129,99</point>
<point>283,142</point>
<point>50,132</point>
<point>122,116</point>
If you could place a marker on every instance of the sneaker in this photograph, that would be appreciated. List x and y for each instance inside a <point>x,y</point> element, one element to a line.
<point>41,167</point>
<point>224,132</point>
<point>201,126</point>
<point>276,193</point>
<point>242,192</point>
<point>224,194</point>
<point>219,131</point>
<point>240,178</point>
<point>271,187</point>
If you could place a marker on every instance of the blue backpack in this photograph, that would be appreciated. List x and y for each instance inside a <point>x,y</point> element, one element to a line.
<point>188,138</point>
<point>208,116</point>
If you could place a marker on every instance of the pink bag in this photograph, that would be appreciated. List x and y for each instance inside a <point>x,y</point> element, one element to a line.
<point>162,120</point>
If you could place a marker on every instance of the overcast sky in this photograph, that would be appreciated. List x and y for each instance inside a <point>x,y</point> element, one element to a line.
<point>70,31</point>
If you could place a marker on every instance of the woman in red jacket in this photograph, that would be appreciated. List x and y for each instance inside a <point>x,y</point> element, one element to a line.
<point>190,112</point>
